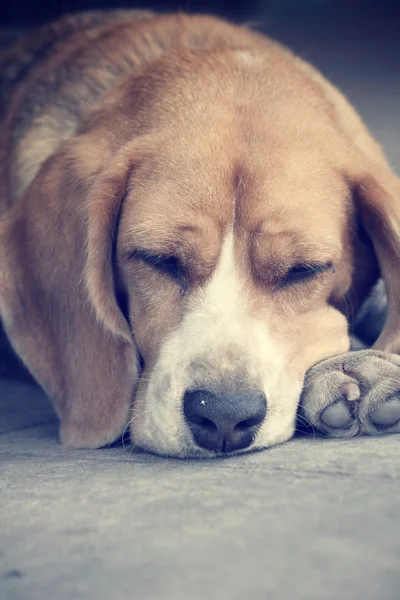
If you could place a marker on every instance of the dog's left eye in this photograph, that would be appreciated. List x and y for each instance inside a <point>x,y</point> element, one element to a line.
<point>169,265</point>
<point>303,272</point>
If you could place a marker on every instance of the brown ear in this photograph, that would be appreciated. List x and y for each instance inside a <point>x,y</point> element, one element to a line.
<point>57,297</point>
<point>378,192</point>
<point>379,203</point>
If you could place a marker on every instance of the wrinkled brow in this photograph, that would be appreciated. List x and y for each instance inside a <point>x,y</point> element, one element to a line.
<point>156,238</point>
<point>284,250</point>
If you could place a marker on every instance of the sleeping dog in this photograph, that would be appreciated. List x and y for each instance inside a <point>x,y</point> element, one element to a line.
<point>191,218</point>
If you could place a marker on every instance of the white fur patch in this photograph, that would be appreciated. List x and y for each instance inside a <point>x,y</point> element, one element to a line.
<point>247,57</point>
<point>217,339</point>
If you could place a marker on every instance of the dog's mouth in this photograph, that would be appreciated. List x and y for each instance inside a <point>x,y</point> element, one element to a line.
<point>203,423</point>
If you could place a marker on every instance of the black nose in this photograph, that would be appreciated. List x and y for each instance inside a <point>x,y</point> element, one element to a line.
<point>224,423</point>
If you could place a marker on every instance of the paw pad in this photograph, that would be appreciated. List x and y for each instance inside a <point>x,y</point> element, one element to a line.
<point>337,416</point>
<point>386,415</point>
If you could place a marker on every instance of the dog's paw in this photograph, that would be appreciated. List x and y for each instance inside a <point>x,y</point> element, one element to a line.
<point>353,393</point>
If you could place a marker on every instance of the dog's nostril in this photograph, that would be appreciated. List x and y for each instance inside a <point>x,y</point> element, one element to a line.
<point>256,420</point>
<point>244,425</point>
<point>207,424</point>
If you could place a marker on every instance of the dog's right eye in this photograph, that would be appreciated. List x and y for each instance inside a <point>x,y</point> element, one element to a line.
<point>168,265</point>
<point>302,273</point>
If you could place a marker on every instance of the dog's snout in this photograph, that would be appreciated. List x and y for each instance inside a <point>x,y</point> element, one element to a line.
<point>224,423</point>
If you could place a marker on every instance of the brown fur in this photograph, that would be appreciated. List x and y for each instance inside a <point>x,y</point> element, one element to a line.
<point>136,132</point>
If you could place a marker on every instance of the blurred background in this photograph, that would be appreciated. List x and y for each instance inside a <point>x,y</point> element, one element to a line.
<point>29,12</point>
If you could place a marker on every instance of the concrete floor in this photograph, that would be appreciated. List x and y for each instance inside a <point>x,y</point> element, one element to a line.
<point>313,519</point>
<point>309,520</point>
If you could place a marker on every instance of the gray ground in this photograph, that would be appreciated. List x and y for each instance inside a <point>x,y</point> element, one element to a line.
<point>313,519</point>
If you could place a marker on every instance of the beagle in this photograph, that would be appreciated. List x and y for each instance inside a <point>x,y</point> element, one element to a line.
<point>191,218</point>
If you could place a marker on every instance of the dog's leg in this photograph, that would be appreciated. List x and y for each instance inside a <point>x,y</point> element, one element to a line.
<point>353,393</point>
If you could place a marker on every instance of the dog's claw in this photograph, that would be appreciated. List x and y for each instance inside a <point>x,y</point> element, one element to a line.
<point>351,391</point>
<point>386,415</point>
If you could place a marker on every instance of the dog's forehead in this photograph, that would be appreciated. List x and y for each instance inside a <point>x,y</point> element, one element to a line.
<point>236,145</point>
<point>267,189</point>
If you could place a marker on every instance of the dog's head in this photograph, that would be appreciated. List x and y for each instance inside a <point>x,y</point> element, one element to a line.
<point>202,243</point>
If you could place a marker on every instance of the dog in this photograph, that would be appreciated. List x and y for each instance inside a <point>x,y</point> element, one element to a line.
<point>191,219</point>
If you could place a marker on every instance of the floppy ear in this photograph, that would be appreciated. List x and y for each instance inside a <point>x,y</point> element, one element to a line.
<point>57,292</point>
<point>378,196</point>
<point>377,190</point>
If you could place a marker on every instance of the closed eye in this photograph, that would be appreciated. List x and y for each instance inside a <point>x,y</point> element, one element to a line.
<point>168,265</point>
<point>302,273</point>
